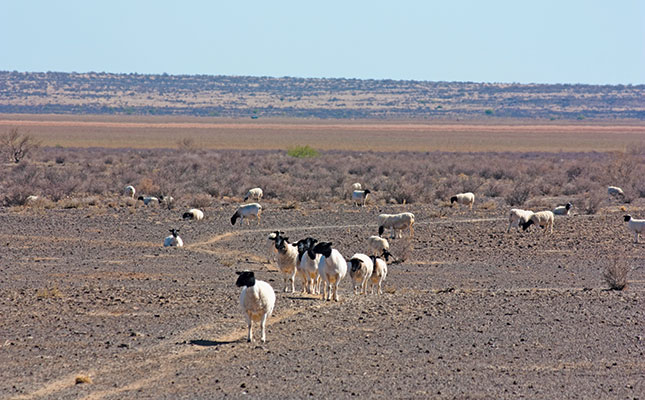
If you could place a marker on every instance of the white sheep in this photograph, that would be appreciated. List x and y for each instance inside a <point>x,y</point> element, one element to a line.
<point>332,269</point>
<point>377,244</point>
<point>251,210</point>
<point>636,225</point>
<point>287,259</point>
<point>380,271</point>
<point>194,213</point>
<point>167,201</point>
<point>148,199</point>
<point>360,270</point>
<point>543,219</point>
<point>308,265</point>
<point>518,217</point>
<point>271,244</point>
<point>562,210</point>
<point>615,191</point>
<point>396,222</point>
<point>255,194</point>
<point>467,199</point>
<point>356,186</point>
<point>257,301</point>
<point>173,240</point>
<point>360,196</point>
<point>129,191</point>
<point>31,199</point>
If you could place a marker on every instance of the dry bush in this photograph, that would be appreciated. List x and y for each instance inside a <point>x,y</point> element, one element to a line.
<point>200,201</point>
<point>47,293</point>
<point>148,186</point>
<point>591,204</point>
<point>615,274</point>
<point>16,145</point>
<point>518,195</point>
<point>82,379</point>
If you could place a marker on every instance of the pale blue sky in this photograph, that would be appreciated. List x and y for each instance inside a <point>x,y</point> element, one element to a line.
<point>552,41</point>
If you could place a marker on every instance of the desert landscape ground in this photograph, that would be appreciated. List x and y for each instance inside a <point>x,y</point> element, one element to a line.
<point>94,307</point>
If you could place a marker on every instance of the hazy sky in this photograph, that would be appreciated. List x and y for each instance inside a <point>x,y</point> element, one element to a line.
<point>553,41</point>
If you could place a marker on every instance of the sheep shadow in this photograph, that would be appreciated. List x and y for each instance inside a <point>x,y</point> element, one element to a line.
<point>210,343</point>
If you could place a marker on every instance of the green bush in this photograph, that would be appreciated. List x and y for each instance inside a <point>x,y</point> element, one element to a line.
<point>302,152</point>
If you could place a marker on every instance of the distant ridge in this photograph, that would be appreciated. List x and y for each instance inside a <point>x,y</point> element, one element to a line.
<point>256,97</point>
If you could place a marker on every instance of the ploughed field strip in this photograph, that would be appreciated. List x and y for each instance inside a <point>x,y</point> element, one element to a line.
<point>472,311</point>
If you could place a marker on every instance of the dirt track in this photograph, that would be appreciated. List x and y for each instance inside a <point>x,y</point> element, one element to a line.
<point>474,312</point>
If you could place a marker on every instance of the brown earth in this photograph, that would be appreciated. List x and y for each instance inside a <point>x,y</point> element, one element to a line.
<point>280,134</point>
<point>472,312</point>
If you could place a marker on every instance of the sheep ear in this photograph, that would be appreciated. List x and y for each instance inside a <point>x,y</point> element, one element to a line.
<point>238,272</point>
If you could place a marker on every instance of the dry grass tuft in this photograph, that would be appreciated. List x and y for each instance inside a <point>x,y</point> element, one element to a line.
<point>82,379</point>
<point>46,293</point>
<point>615,274</point>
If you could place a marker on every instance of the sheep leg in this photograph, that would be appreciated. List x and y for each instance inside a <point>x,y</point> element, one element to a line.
<point>336,290</point>
<point>380,291</point>
<point>263,325</point>
<point>635,237</point>
<point>249,322</point>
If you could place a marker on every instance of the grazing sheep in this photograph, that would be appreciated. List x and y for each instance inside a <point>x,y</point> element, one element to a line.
<point>308,264</point>
<point>194,213</point>
<point>129,191</point>
<point>518,217</point>
<point>615,191</point>
<point>173,240</point>
<point>360,270</point>
<point>257,301</point>
<point>332,269</point>
<point>636,225</point>
<point>356,186</point>
<point>255,194</point>
<point>467,199</point>
<point>251,210</point>
<point>396,222</point>
<point>562,210</point>
<point>377,244</point>
<point>360,196</point>
<point>543,219</point>
<point>287,258</point>
<point>167,201</point>
<point>148,199</point>
<point>380,271</point>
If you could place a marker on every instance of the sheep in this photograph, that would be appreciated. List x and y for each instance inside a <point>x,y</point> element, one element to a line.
<point>167,201</point>
<point>308,264</point>
<point>356,186</point>
<point>615,191</point>
<point>518,217</point>
<point>377,244</point>
<point>636,225</point>
<point>256,300</point>
<point>148,199</point>
<point>360,270</point>
<point>396,222</point>
<point>467,199</point>
<point>129,191</point>
<point>251,210</point>
<point>380,271</point>
<point>562,210</point>
<point>194,213</point>
<point>360,196</point>
<point>287,258</point>
<point>271,244</point>
<point>543,219</point>
<point>31,199</point>
<point>173,240</point>
<point>332,269</point>
<point>255,194</point>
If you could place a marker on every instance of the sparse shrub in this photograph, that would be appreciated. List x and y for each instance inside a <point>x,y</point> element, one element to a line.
<point>186,144</point>
<point>147,186</point>
<point>615,274</point>
<point>47,293</point>
<point>302,152</point>
<point>200,201</point>
<point>518,195</point>
<point>82,379</point>
<point>494,189</point>
<point>17,145</point>
<point>592,202</point>
<point>60,160</point>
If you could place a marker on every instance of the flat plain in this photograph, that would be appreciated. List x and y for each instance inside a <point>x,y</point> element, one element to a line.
<point>469,310</point>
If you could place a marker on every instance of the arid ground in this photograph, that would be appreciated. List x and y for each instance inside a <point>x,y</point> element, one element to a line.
<point>88,294</point>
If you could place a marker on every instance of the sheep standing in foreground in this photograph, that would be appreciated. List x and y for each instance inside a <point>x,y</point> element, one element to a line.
<point>377,244</point>
<point>380,271</point>
<point>129,191</point>
<point>562,210</point>
<point>636,225</point>
<point>255,194</point>
<point>287,259</point>
<point>194,213</point>
<point>257,301</point>
<point>615,191</point>
<point>332,269</point>
<point>543,219</point>
<point>467,199</point>
<point>360,197</point>
<point>271,244</point>
<point>518,217</point>
<point>173,240</point>
<point>308,264</point>
<point>356,186</point>
<point>396,222</point>
<point>149,200</point>
<point>360,270</point>
<point>251,210</point>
